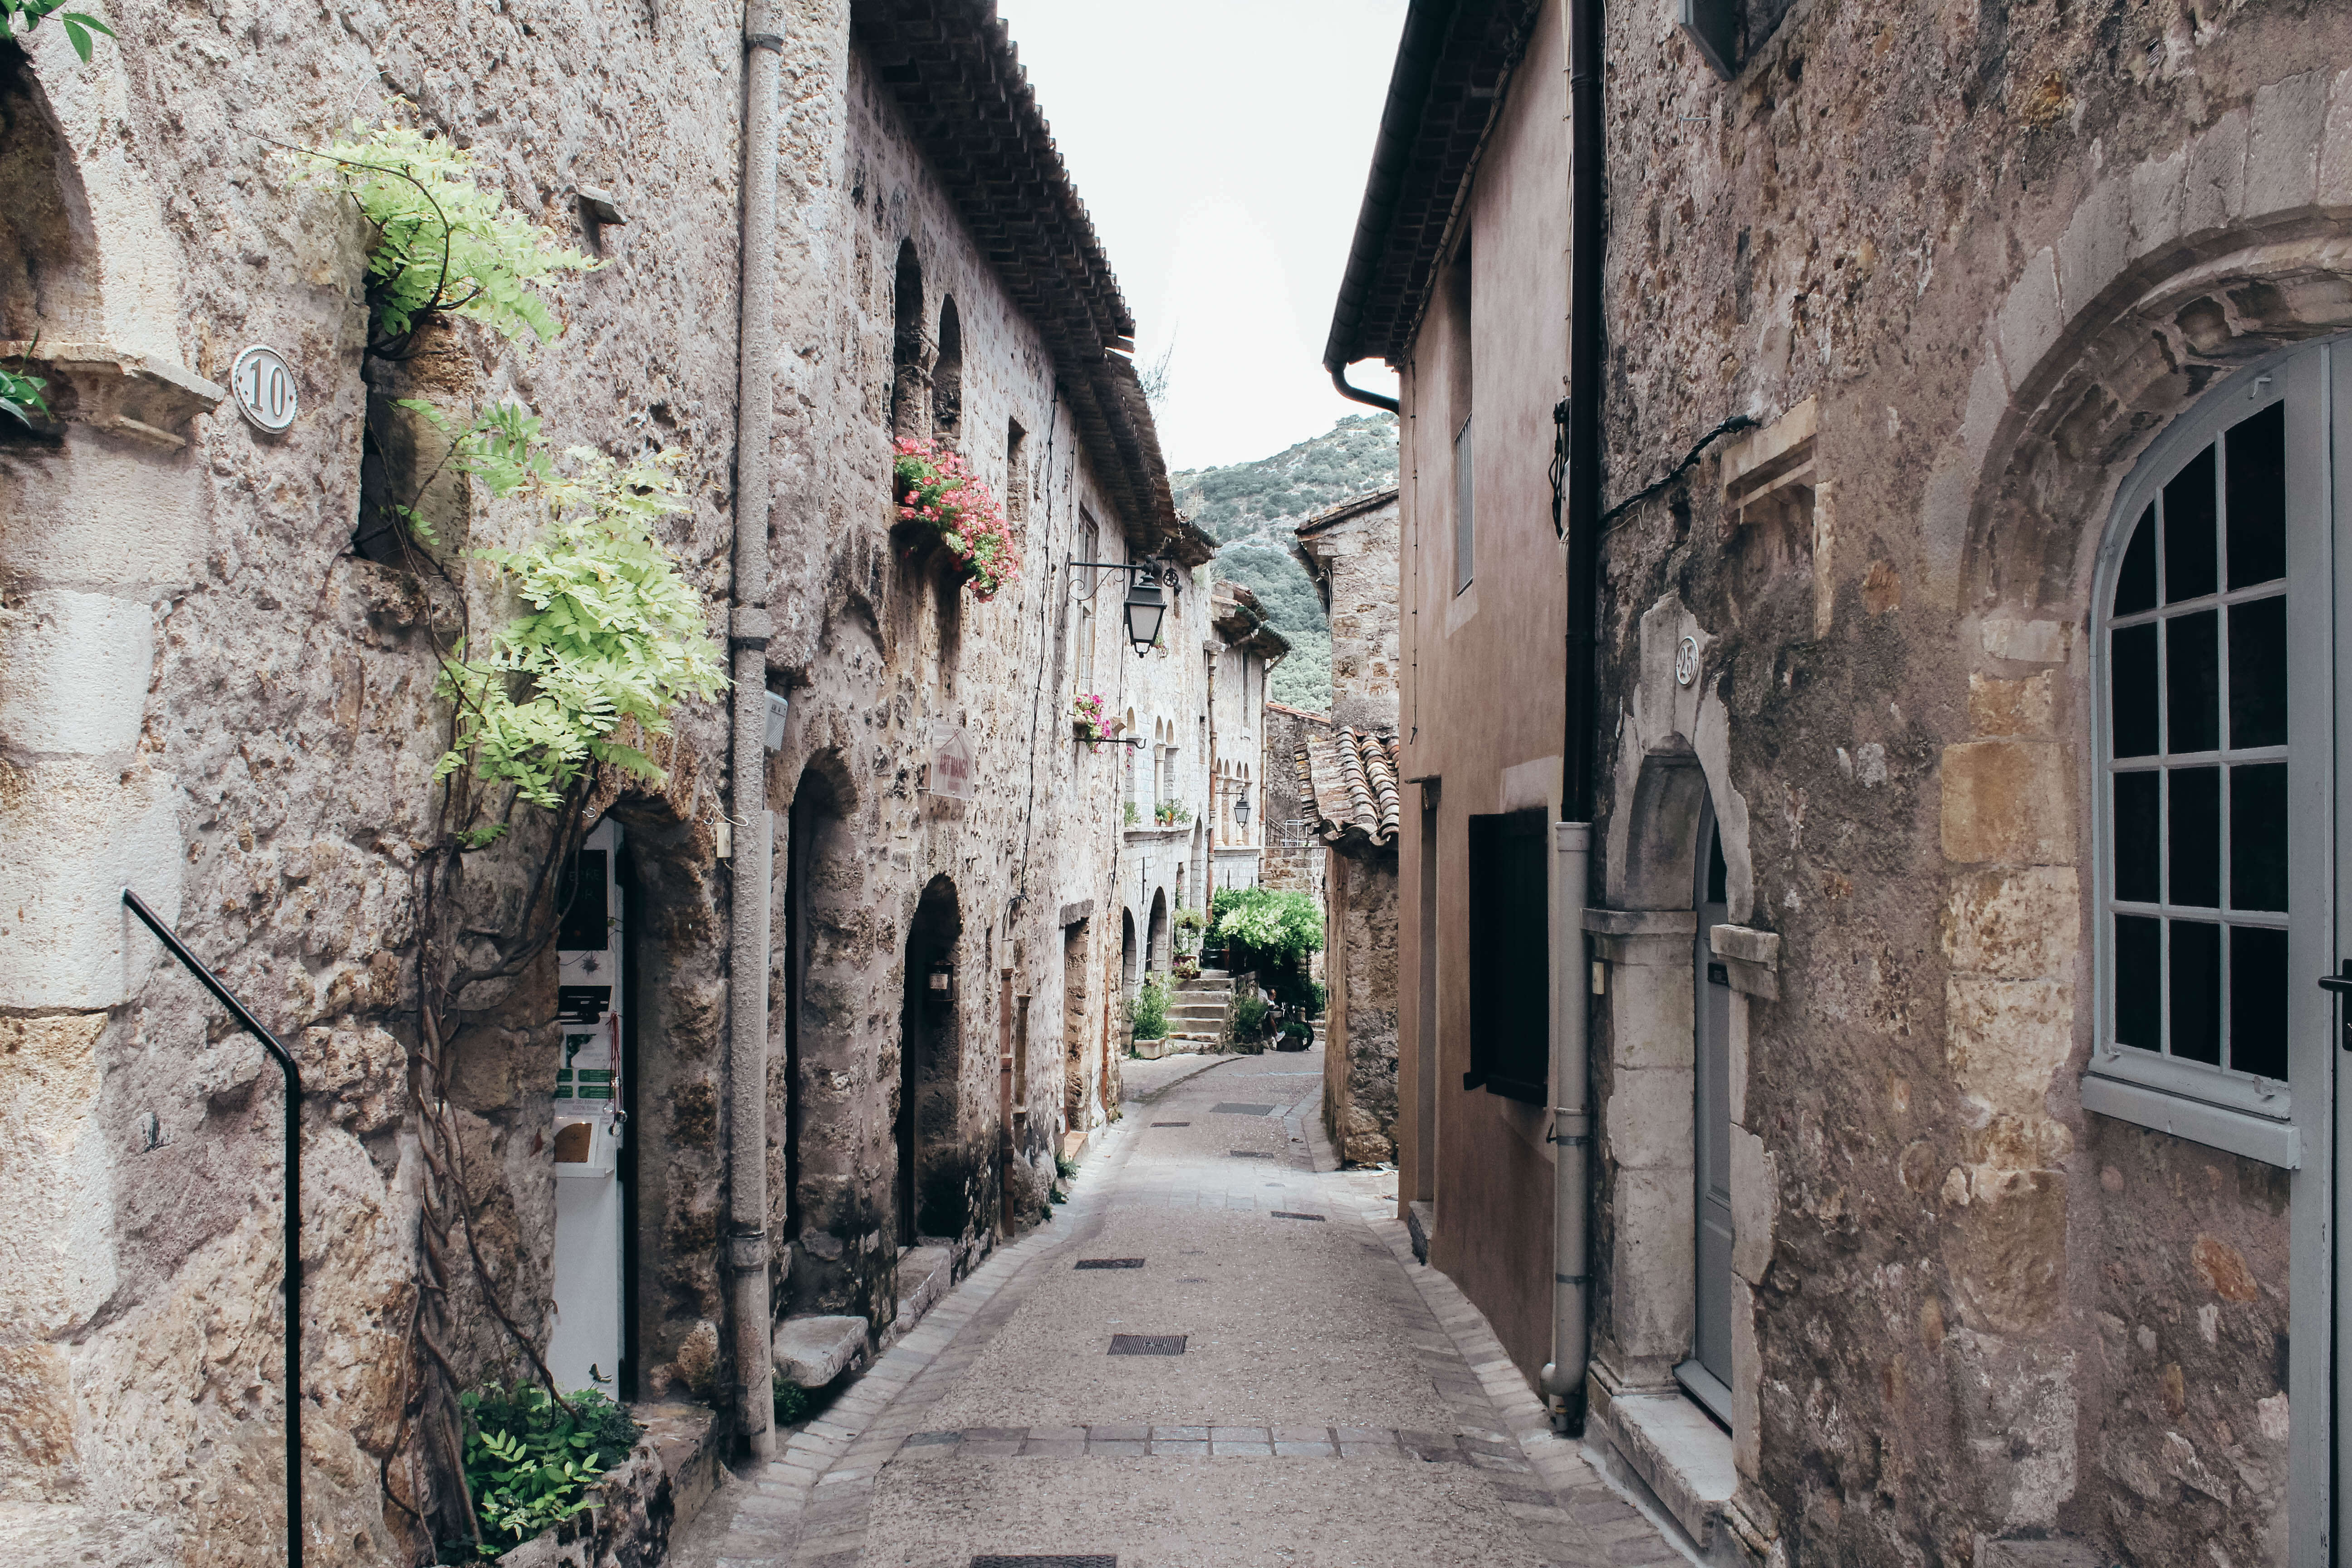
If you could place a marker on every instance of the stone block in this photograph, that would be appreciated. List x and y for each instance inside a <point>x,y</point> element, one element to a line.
<point>2028,321</point>
<point>2020,924</point>
<point>1649,1008</point>
<point>811,1352</point>
<point>78,669</point>
<point>1652,1274</point>
<point>1648,1118</point>
<point>2005,1039</point>
<point>2282,151</point>
<point>57,1253</point>
<point>2000,708</point>
<point>2096,246</point>
<point>1755,1204</point>
<point>2215,191</point>
<point>2025,642</point>
<point>116,516</point>
<point>37,1459</point>
<point>2335,173</point>
<point>2008,801</point>
<point>1747,1376</point>
<point>72,837</point>
<point>2158,195</point>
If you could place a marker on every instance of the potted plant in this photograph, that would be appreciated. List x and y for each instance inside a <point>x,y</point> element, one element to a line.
<point>942,502</point>
<point>1190,925</point>
<point>1086,720</point>
<point>1171,813</point>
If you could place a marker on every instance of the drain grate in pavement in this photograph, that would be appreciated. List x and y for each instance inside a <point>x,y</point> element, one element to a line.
<point>1035,1561</point>
<point>1286,1213</point>
<point>1171,1124</point>
<point>1111,1263</point>
<point>1247,1154</point>
<point>1147,1344</point>
<point>1233,1107</point>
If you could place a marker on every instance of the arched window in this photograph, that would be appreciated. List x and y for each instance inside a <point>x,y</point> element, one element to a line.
<point>2215,679</point>
<point>947,376</point>
<point>909,415</point>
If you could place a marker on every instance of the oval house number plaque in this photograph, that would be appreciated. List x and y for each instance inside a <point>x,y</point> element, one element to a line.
<point>265,389</point>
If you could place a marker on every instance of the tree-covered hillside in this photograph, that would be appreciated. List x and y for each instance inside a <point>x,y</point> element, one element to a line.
<point>1250,508</point>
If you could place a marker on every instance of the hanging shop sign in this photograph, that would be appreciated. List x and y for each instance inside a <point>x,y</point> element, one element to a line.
<point>265,389</point>
<point>951,761</point>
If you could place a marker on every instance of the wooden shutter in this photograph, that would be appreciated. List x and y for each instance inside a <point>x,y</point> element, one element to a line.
<point>1510,957</point>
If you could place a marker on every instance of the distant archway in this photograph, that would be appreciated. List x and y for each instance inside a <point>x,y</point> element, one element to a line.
<point>1155,954</point>
<point>931,1198</point>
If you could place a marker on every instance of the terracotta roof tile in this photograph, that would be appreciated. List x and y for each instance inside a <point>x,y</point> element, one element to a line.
<point>1348,782</point>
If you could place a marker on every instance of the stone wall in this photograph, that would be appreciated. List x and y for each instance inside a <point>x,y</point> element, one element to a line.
<point>1353,549</point>
<point>1294,857</point>
<point>217,700</point>
<point>1359,962</point>
<point>1961,268</point>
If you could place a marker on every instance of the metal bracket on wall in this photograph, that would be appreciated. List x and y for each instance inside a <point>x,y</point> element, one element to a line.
<point>293,1195</point>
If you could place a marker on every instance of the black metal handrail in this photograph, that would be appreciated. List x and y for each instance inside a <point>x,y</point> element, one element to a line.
<point>252,1026</point>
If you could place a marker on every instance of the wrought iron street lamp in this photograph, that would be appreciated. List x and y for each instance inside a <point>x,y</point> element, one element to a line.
<point>1150,589</point>
<point>1147,607</point>
<point>1241,808</point>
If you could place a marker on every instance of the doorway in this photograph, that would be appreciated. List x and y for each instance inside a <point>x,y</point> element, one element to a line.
<point>930,1198</point>
<point>1706,1376</point>
<point>589,1132</point>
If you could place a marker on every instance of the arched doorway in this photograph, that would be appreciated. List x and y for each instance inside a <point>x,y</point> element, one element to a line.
<point>931,1199</point>
<point>1129,972</point>
<point>1155,952</point>
<point>1707,1375</point>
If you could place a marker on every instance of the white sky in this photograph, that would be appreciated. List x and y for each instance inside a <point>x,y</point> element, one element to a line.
<point>1221,148</point>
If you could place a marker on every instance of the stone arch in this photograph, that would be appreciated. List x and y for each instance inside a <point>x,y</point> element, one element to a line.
<point>1155,949</point>
<point>909,372</point>
<point>1129,975</point>
<point>823,925</point>
<point>935,1174</point>
<point>673,1073</point>
<point>2172,275</point>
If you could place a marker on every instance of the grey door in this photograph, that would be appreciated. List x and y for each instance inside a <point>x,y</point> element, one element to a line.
<point>1707,1375</point>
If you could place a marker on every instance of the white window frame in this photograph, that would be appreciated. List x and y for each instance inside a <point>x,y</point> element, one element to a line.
<point>2218,1106</point>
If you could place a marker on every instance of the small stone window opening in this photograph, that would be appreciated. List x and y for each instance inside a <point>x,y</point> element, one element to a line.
<point>909,415</point>
<point>947,376</point>
<point>2196,868</point>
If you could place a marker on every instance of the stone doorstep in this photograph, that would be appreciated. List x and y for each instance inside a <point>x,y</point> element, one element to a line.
<point>1664,1444</point>
<point>926,1274</point>
<point>810,1351</point>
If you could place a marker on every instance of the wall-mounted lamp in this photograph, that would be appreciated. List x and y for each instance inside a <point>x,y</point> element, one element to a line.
<point>1146,605</point>
<point>1241,807</point>
<point>942,976</point>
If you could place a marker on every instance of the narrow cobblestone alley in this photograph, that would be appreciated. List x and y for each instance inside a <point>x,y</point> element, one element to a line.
<point>1333,1403</point>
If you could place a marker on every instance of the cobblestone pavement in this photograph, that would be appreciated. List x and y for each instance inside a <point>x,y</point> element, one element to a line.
<point>1334,1403</point>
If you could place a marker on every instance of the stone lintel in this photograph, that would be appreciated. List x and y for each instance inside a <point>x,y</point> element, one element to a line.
<point>1073,913</point>
<point>119,391</point>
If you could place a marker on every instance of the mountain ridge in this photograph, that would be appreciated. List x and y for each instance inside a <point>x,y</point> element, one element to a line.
<point>1252,509</point>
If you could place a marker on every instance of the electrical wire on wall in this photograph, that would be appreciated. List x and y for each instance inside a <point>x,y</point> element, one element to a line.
<point>1044,628</point>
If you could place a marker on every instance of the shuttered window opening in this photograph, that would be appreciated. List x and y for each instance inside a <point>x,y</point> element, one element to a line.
<point>1510,957</point>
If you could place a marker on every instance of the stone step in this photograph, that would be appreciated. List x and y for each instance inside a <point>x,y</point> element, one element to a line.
<point>812,1350</point>
<point>1187,1008</point>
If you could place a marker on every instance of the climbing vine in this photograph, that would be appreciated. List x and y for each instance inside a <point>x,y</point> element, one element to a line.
<point>444,244</point>
<point>606,636</point>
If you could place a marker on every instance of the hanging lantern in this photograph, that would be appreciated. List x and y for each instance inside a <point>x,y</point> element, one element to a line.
<point>1241,807</point>
<point>1146,607</point>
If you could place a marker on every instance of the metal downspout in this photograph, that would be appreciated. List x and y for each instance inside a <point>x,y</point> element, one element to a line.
<point>747,1251</point>
<point>1563,1379</point>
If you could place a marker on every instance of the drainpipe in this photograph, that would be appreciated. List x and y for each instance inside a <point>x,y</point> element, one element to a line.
<point>747,1251</point>
<point>1357,394</point>
<point>1563,1377</point>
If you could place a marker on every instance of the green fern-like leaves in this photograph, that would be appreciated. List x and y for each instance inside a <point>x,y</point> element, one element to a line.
<point>443,242</point>
<point>614,631</point>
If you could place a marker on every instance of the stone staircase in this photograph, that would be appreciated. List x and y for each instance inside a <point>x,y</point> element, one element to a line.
<point>1197,1010</point>
<point>1196,1016</point>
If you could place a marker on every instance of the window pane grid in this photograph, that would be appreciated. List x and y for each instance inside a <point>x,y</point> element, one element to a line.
<point>2174,964</point>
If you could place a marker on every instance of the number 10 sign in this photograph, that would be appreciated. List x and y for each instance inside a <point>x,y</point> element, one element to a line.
<point>265,393</point>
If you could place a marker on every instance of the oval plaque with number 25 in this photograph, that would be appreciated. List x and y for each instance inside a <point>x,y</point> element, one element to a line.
<point>265,389</point>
